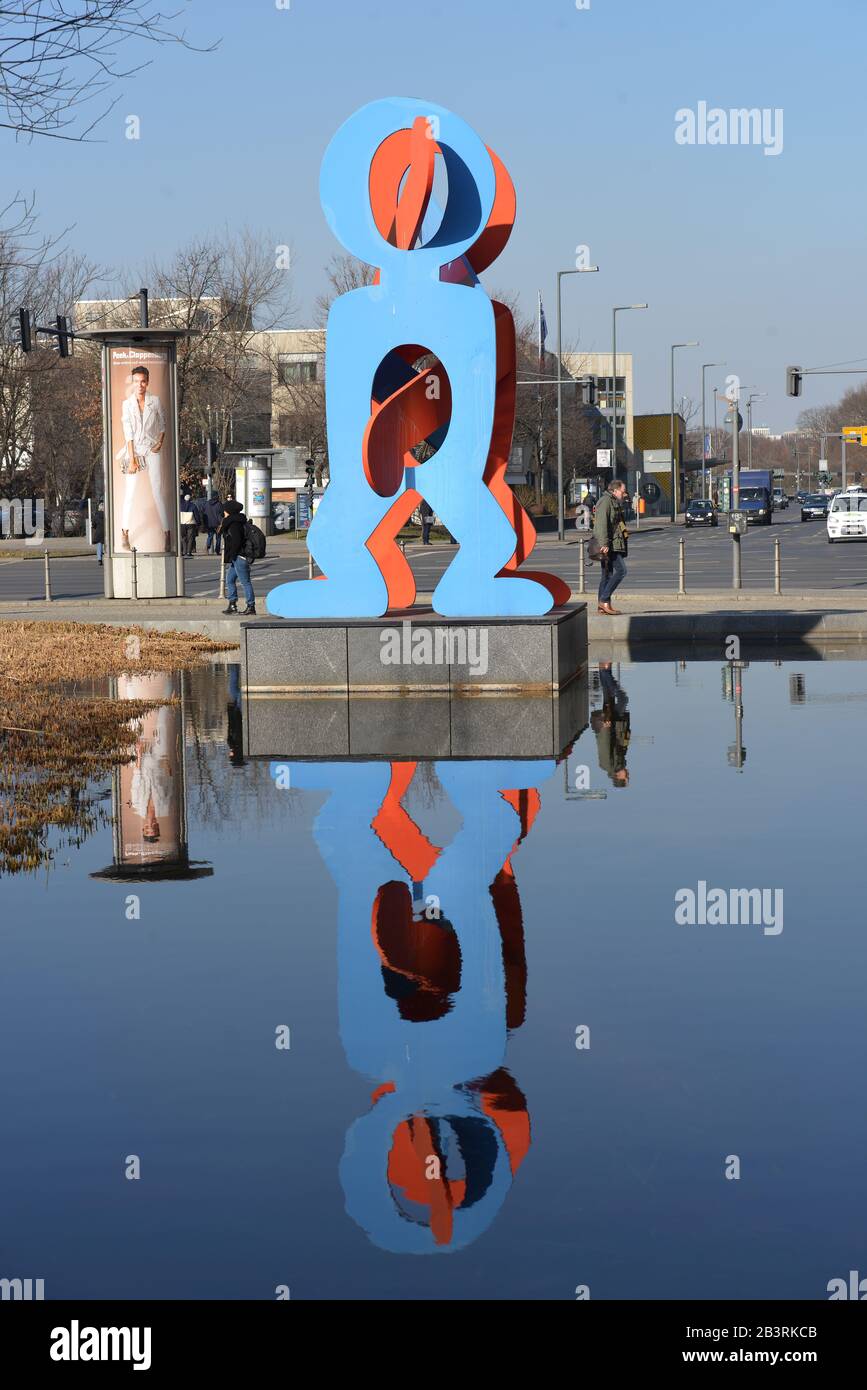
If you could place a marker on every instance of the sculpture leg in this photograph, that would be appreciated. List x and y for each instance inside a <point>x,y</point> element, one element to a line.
<point>471,586</point>
<point>352,585</point>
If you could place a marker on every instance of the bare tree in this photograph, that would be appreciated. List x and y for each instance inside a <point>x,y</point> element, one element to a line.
<point>228,290</point>
<point>56,56</point>
<point>343,273</point>
<point>36,274</point>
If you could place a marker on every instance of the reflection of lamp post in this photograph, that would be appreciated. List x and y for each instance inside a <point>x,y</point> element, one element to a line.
<point>579,270</point>
<point>674,452</point>
<point>733,688</point>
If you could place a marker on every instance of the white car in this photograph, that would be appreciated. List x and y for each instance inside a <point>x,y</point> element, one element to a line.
<point>847,516</point>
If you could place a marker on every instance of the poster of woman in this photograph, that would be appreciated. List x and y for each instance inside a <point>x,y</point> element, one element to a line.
<point>143,463</point>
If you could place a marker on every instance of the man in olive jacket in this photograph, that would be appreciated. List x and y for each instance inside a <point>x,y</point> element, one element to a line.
<point>610,532</point>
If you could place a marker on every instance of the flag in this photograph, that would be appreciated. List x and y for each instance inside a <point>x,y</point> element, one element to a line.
<point>543,328</point>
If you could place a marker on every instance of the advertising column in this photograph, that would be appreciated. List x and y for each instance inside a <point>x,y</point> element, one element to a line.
<point>143,469</point>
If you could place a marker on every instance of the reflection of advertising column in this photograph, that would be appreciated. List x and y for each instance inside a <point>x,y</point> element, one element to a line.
<point>149,792</point>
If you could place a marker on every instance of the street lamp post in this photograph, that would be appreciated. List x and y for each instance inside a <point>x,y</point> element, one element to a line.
<point>561,520</point>
<point>756,396</point>
<point>618,309</point>
<point>704,367</point>
<point>674,460</point>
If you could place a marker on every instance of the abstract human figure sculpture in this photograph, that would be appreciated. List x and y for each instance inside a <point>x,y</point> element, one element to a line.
<point>420,377</point>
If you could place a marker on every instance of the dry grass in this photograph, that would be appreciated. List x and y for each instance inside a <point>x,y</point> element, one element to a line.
<point>54,742</point>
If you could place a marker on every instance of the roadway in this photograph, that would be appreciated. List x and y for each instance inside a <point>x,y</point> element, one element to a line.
<point>808,563</point>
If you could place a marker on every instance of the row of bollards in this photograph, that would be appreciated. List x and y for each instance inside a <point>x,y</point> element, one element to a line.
<point>681,566</point>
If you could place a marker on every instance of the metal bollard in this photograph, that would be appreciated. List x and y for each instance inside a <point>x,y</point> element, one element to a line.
<point>778,572</point>
<point>582,586</point>
<point>309,565</point>
<point>222,593</point>
<point>681,566</point>
<point>134,582</point>
<point>47,579</point>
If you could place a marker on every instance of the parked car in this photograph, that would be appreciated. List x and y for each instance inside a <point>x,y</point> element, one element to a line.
<point>699,513</point>
<point>847,516</point>
<point>814,506</point>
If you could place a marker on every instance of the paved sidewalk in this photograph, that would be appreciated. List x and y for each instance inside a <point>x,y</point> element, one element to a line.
<point>657,617</point>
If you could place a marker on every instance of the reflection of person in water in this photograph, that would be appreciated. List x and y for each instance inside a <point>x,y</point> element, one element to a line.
<point>144,432</point>
<point>611,727</point>
<point>151,791</point>
<point>234,717</point>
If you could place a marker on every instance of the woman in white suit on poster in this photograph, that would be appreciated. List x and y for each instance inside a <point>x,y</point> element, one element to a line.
<point>144,432</point>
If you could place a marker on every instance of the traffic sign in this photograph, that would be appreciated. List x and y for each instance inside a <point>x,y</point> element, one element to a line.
<point>728,420</point>
<point>603,458</point>
<point>856,432</point>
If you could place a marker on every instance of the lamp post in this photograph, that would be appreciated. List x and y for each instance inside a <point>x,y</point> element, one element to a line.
<point>704,367</point>
<point>618,309</point>
<point>579,270</point>
<point>674,460</point>
<point>756,396</point>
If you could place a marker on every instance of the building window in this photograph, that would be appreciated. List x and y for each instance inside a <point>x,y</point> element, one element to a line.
<point>296,370</point>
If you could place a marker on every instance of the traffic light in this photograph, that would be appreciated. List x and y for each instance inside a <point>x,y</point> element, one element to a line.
<point>793,381</point>
<point>63,335</point>
<point>25,330</point>
<point>588,390</point>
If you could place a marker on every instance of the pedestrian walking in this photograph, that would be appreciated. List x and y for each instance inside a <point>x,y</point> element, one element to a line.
<point>97,532</point>
<point>612,537</point>
<point>213,512</point>
<point>234,533</point>
<point>427,520</point>
<point>188,526</point>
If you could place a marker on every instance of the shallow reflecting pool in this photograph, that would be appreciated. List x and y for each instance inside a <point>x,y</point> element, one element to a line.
<point>395,1028</point>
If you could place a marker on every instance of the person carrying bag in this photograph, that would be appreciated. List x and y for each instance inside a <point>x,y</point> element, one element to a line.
<point>610,543</point>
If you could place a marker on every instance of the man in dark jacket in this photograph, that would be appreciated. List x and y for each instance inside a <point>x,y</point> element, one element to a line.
<point>610,531</point>
<point>213,513</point>
<point>236,562</point>
<point>97,531</point>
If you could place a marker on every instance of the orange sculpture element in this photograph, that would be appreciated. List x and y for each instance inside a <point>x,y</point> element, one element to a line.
<point>401,182</point>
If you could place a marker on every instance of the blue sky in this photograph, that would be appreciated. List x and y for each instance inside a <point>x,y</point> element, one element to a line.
<point>761,258</point>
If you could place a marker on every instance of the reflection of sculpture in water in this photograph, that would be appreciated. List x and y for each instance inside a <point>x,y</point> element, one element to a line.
<point>431,977</point>
<point>611,726</point>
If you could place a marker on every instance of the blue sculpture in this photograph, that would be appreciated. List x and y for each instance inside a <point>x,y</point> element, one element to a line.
<point>421,357</point>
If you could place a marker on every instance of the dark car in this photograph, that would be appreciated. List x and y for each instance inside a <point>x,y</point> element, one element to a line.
<point>700,513</point>
<point>814,506</point>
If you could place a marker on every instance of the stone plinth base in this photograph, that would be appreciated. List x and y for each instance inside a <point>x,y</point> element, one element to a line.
<point>415,653</point>
<point>156,575</point>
